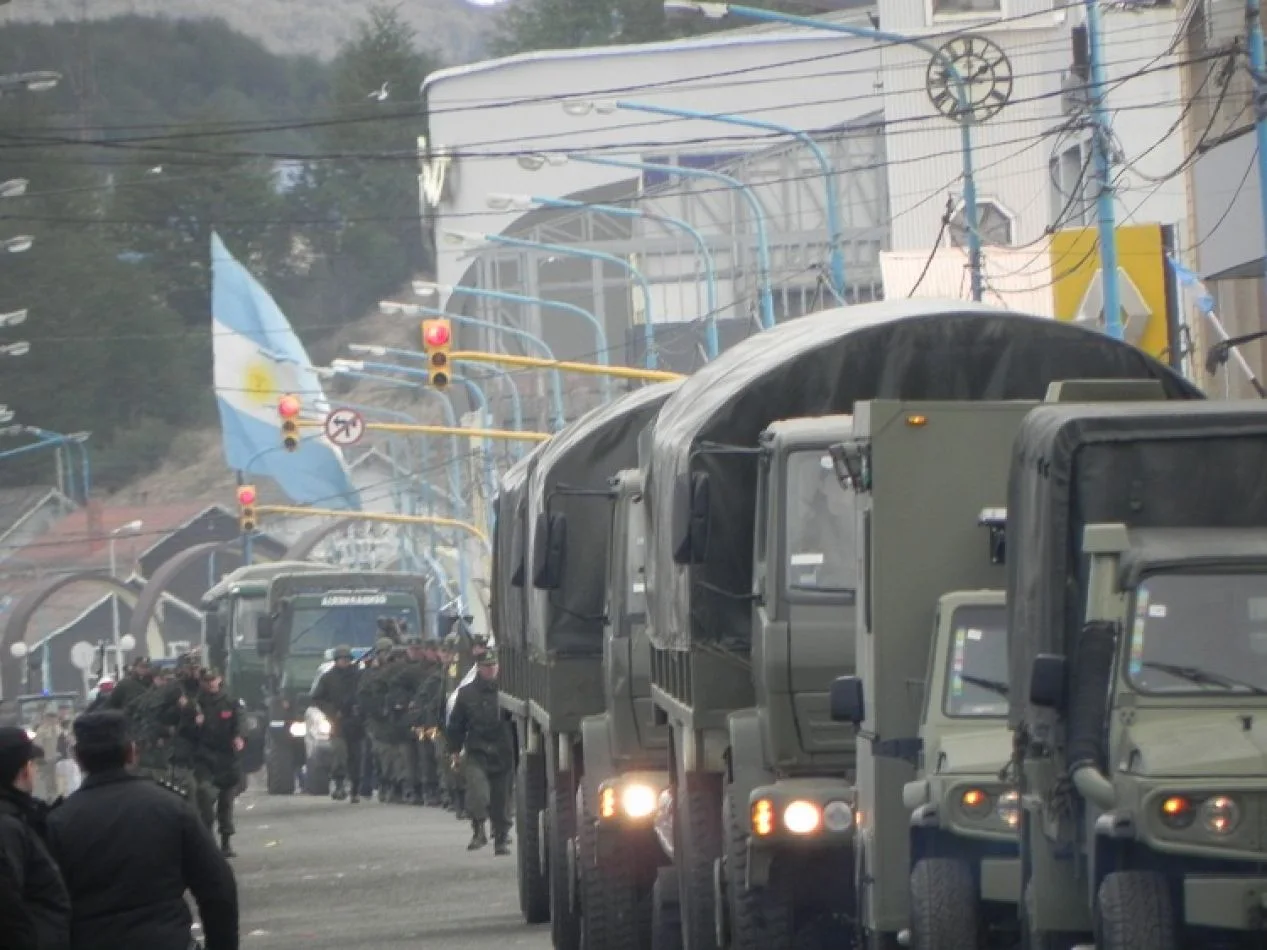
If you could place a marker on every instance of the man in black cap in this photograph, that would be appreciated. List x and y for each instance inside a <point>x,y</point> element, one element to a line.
<point>336,696</point>
<point>480,739</point>
<point>130,849</point>
<point>22,820</point>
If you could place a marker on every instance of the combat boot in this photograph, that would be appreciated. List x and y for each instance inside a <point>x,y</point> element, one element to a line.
<point>225,848</point>
<point>479,837</point>
<point>355,799</point>
<point>339,792</point>
<point>501,843</point>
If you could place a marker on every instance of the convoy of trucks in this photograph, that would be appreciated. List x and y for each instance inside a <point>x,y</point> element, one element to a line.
<point>775,675</point>
<point>270,626</point>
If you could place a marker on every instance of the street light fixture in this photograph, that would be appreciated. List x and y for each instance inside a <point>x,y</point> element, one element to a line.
<point>13,188</point>
<point>17,244</point>
<point>20,348</point>
<point>39,80</point>
<point>14,318</point>
<point>130,528</point>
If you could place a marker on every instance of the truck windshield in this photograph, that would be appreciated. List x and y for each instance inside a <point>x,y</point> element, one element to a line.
<point>820,526</point>
<point>246,611</point>
<point>636,559</point>
<point>1199,633</point>
<point>316,626</point>
<point>976,670</point>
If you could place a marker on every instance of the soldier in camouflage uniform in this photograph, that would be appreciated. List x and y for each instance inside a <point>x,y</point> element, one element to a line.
<point>153,720</point>
<point>186,693</point>
<point>372,698</point>
<point>425,716</point>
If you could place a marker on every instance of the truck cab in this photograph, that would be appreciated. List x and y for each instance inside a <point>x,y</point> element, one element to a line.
<point>965,873</point>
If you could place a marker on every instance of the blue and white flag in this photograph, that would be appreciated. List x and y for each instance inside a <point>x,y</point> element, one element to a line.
<point>258,359</point>
<point>1190,282</point>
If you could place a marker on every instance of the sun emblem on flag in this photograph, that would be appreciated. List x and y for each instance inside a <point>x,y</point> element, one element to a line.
<point>260,383</point>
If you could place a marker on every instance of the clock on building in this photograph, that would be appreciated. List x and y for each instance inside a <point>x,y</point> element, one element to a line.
<point>985,71</point>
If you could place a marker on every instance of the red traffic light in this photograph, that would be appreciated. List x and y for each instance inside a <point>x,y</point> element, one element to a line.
<point>246,495</point>
<point>289,406</point>
<point>436,334</point>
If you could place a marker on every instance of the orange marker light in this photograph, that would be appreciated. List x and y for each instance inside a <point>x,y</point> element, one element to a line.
<point>762,817</point>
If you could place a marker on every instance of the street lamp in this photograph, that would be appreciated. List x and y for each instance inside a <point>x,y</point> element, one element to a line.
<point>13,188</point>
<point>130,528</point>
<point>17,244</point>
<point>14,318</point>
<point>20,348</point>
<point>39,80</point>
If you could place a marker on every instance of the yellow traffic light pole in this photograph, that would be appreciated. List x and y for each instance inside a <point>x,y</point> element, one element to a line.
<point>406,428</point>
<point>373,516</point>
<point>591,369</point>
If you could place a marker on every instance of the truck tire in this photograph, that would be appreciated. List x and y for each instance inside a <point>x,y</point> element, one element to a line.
<point>1134,912</point>
<point>565,928</point>
<point>666,912</point>
<point>613,915</point>
<point>698,822</point>
<point>943,905</point>
<point>317,780</point>
<point>530,801</point>
<point>279,764</point>
<point>760,918</point>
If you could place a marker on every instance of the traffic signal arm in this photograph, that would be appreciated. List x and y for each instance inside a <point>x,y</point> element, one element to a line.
<point>591,369</point>
<point>403,428</point>
<point>375,516</point>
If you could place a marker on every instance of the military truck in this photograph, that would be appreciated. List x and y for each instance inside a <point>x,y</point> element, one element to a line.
<point>1138,653</point>
<point>745,693</point>
<point>551,663</point>
<point>268,627</point>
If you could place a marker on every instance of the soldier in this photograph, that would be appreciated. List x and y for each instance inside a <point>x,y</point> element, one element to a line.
<point>153,715</point>
<point>406,680</point>
<point>425,709</point>
<point>336,697</point>
<point>186,735</point>
<point>129,689</point>
<point>480,740</point>
<point>372,698</point>
<point>219,757</point>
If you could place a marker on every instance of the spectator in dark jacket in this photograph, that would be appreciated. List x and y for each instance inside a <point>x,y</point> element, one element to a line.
<point>130,849</point>
<point>34,874</point>
<point>17,926</point>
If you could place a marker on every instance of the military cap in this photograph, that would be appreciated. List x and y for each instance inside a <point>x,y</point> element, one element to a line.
<point>487,659</point>
<point>108,729</point>
<point>343,652</point>
<point>384,645</point>
<point>17,748</point>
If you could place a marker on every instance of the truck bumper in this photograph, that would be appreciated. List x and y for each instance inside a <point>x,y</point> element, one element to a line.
<point>1225,902</point>
<point>1001,880</point>
<point>810,814</point>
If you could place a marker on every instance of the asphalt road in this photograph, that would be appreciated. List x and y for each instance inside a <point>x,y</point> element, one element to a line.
<point>315,874</point>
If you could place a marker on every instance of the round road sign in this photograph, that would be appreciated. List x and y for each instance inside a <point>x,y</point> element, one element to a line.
<point>344,427</point>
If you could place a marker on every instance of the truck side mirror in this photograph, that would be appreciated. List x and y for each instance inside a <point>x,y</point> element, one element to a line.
<point>691,511</point>
<point>549,554</point>
<point>1047,681</point>
<point>264,634</point>
<point>847,701</point>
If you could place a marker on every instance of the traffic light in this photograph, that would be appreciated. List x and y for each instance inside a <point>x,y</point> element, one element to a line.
<point>246,508</point>
<point>288,408</point>
<point>437,338</point>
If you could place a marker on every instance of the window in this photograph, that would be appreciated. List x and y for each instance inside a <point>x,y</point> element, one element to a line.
<point>976,670</point>
<point>945,8</point>
<point>317,626</point>
<point>246,612</point>
<point>821,548</point>
<point>993,222</point>
<point>1199,633</point>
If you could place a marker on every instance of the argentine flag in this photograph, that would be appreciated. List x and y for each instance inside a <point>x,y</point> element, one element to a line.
<point>258,359</point>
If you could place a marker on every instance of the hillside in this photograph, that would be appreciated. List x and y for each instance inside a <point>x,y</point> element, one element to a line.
<point>453,28</point>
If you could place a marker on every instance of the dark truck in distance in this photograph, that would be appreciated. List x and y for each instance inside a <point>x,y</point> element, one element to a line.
<point>551,646</point>
<point>1137,600</point>
<point>716,662</point>
<point>270,626</point>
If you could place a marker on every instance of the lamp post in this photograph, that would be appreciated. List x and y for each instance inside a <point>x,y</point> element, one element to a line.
<point>831,206</point>
<point>534,162</point>
<point>470,239</point>
<point>130,528</point>
<point>958,85</point>
<point>501,202</point>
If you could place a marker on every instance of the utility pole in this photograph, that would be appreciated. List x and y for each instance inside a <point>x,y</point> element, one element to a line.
<point>1102,144</point>
<point>1258,74</point>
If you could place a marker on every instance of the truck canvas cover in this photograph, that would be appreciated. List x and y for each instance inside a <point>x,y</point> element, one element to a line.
<point>583,456</point>
<point>1156,465</point>
<point>819,365</point>
<point>508,606</point>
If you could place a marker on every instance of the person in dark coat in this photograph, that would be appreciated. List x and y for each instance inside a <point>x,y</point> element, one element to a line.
<point>130,848</point>
<point>34,873</point>
<point>480,740</point>
<point>17,925</point>
<point>336,696</point>
<point>220,747</point>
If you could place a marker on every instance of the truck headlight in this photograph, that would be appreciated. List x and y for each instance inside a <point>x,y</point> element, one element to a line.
<point>802,818</point>
<point>976,803</point>
<point>638,800</point>
<point>1008,809</point>
<point>298,729</point>
<point>1220,814</point>
<point>837,816</point>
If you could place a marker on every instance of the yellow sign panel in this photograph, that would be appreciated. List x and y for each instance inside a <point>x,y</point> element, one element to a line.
<point>1141,257</point>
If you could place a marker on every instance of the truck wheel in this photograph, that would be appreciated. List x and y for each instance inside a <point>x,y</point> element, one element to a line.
<point>699,832</point>
<point>316,780</point>
<point>943,905</point>
<point>759,918</point>
<point>279,764</point>
<point>666,912</point>
<point>564,926</point>
<point>1134,912</point>
<point>530,801</point>
<point>612,915</point>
